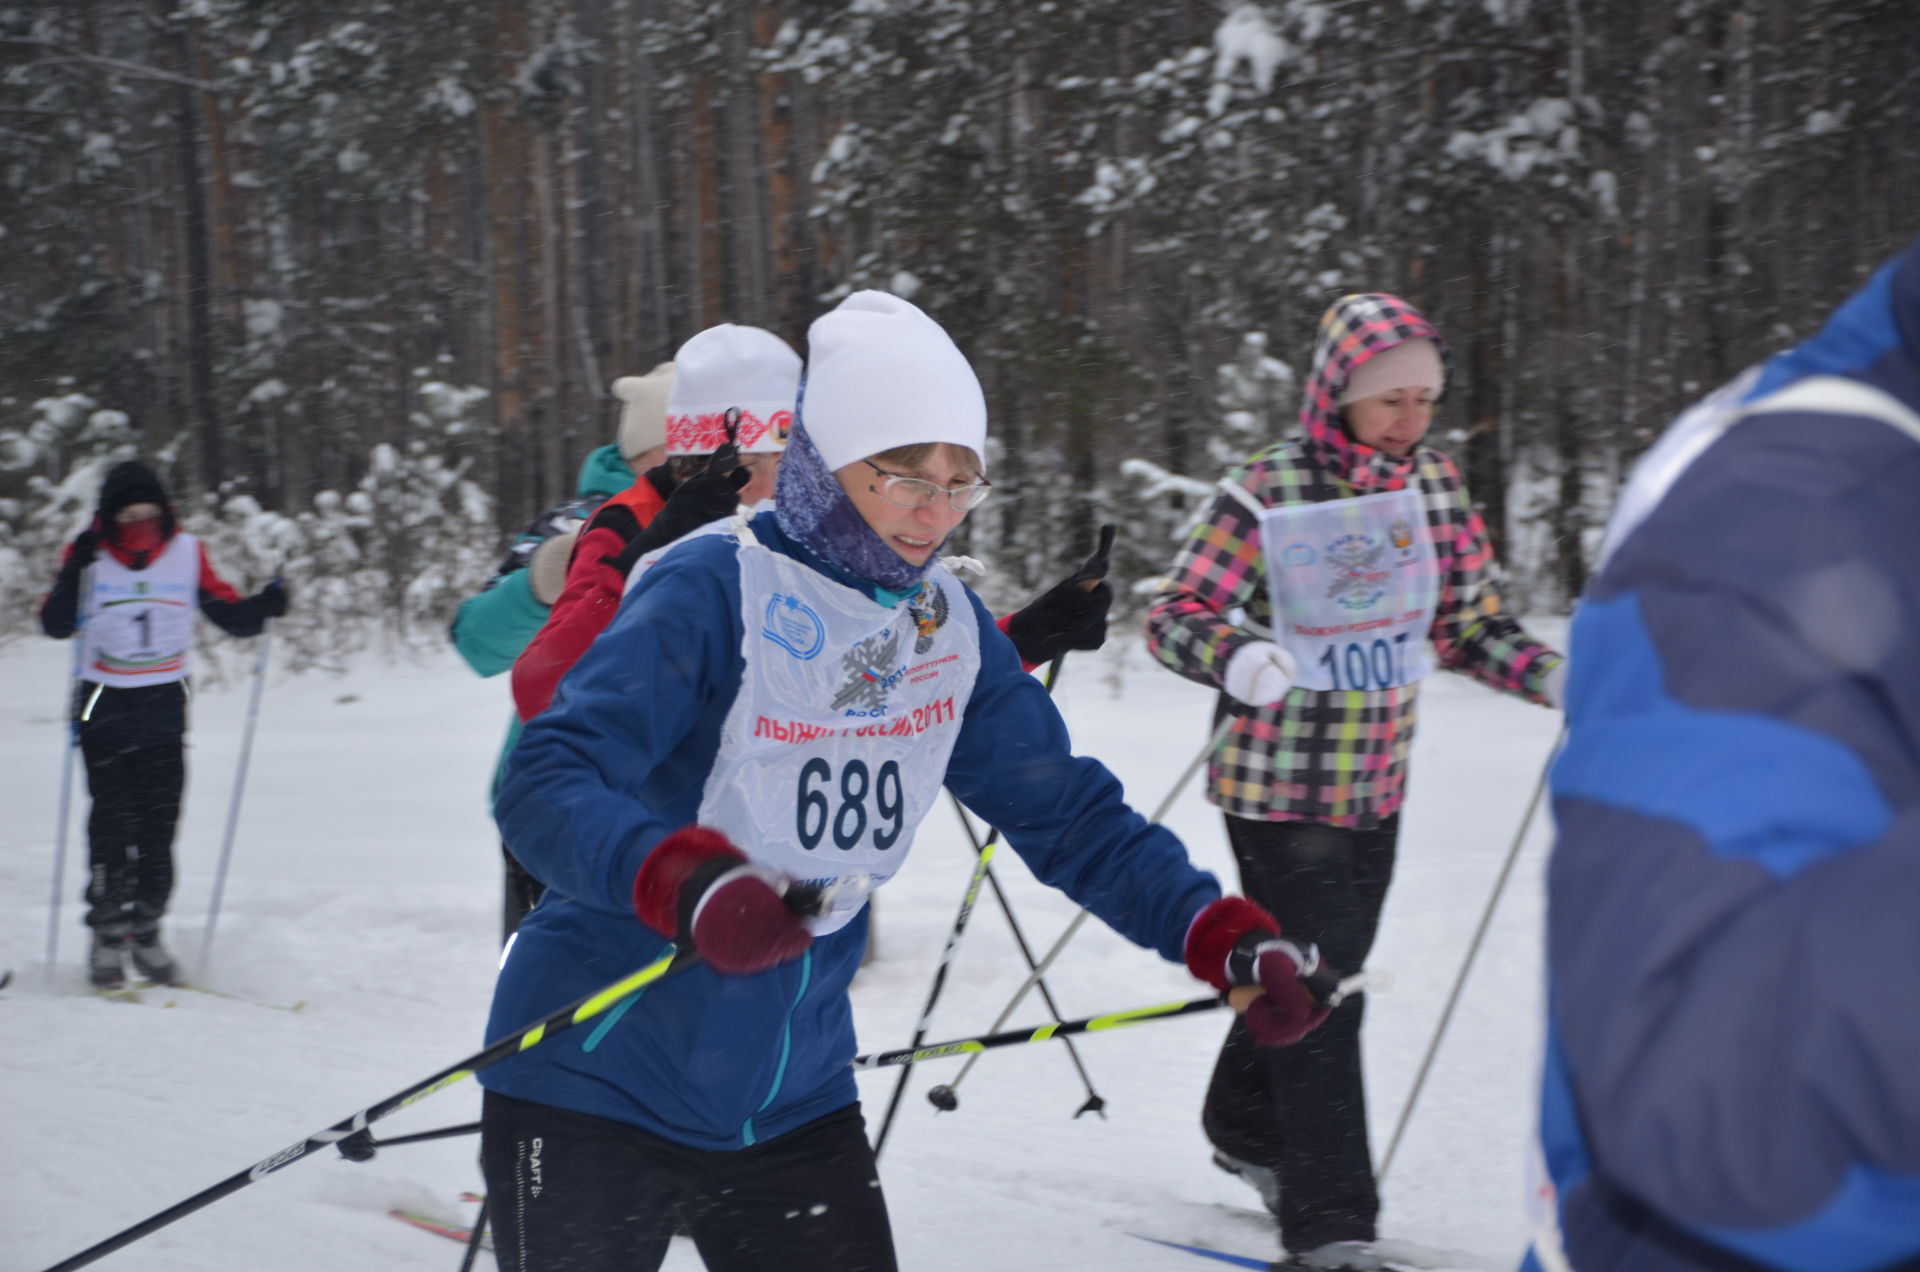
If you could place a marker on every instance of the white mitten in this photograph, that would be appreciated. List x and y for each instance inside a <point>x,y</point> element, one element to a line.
<point>547,568</point>
<point>1260,674</point>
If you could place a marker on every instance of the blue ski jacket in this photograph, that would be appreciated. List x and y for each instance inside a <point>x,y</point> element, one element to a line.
<point>1732,1068</point>
<point>621,758</point>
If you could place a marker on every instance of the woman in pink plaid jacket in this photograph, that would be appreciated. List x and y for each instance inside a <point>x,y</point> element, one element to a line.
<point>1308,594</point>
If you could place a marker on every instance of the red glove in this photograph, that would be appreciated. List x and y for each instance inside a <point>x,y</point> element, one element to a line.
<point>699,889</point>
<point>1234,942</point>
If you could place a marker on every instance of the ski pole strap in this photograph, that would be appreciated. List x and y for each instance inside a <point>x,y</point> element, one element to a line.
<point>987,1042</point>
<point>361,1145</point>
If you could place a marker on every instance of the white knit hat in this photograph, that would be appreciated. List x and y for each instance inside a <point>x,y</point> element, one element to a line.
<point>732,368</point>
<point>643,409</point>
<point>1411,364</point>
<point>882,374</point>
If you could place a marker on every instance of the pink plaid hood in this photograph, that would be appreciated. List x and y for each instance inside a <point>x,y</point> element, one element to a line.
<point>1355,328</point>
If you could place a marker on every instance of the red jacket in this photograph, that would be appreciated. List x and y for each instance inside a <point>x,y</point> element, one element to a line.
<point>586,604</point>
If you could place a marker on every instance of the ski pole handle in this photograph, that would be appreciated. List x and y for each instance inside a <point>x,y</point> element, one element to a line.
<point>1090,575</point>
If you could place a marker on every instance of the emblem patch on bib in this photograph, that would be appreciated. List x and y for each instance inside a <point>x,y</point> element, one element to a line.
<point>929,609</point>
<point>793,625</point>
<point>872,672</point>
<point>1357,584</point>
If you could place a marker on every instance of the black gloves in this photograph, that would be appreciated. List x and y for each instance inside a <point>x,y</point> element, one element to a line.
<point>615,517</point>
<point>273,599</point>
<point>696,501</point>
<point>86,547</point>
<point>1071,614</point>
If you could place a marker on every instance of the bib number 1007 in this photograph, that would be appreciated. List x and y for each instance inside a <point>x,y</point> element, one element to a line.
<point>1372,665</point>
<point>815,815</point>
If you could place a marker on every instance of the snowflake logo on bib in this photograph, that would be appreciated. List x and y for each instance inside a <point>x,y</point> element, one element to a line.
<point>1356,583</point>
<point>870,674</point>
<point>928,607</point>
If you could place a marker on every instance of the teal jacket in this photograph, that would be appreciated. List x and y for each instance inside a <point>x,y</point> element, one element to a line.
<point>495,624</point>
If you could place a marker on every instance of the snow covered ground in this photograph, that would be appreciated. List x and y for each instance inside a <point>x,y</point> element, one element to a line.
<point>357,941</point>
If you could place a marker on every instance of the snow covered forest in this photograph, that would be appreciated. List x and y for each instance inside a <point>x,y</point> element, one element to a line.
<point>357,273</point>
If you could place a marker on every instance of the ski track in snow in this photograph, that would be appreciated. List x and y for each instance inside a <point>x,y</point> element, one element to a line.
<point>366,884</point>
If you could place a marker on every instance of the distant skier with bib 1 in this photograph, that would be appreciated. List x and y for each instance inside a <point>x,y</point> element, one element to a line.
<point>129,584</point>
<point>778,705</point>
<point>1307,595</point>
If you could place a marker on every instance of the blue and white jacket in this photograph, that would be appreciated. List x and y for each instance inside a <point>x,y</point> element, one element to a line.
<point>621,758</point>
<point>1732,1074</point>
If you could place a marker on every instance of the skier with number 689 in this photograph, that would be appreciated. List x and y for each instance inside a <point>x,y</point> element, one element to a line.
<point>773,711</point>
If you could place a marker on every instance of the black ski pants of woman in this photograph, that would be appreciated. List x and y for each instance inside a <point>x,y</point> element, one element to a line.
<point>1301,1111</point>
<point>569,1192</point>
<point>134,745</point>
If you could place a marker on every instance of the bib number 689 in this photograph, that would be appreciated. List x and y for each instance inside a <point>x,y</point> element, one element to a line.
<point>815,814</point>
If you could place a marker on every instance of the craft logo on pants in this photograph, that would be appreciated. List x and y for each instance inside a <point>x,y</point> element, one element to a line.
<point>533,1164</point>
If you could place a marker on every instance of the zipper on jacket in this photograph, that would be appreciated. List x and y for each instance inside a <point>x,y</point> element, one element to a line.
<point>786,1049</point>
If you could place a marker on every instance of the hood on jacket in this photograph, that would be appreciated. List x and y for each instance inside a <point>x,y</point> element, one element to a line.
<point>603,473</point>
<point>126,484</point>
<point>1874,337</point>
<point>1356,329</point>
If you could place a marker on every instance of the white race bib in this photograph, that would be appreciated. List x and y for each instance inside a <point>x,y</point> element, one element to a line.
<point>1354,584</point>
<point>837,744</point>
<point>140,622</point>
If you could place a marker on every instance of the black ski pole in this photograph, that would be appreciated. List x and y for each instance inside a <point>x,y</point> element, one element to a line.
<point>942,1095</point>
<point>669,964</point>
<point>1088,577</point>
<point>939,980</point>
<point>945,1098</point>
<point>1466,964</point>
<point>475,1237</point>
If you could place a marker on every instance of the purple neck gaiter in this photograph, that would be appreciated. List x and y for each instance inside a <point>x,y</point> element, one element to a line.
<point>813,509</point>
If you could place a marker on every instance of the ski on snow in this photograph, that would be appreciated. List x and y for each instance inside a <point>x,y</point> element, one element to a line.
<point>136,991</point>
<point>452,1231</point>
<point>1235,1260</point>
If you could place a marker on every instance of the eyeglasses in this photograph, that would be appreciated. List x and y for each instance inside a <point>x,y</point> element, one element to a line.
<point>918,492</point>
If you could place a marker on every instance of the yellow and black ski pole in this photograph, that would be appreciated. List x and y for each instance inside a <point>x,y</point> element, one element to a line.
<point>1014,1037</point>
<point>668,964</point>
<point>1327,985</point>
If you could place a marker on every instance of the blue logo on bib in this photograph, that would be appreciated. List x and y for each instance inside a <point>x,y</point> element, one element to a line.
<point>791,624</point>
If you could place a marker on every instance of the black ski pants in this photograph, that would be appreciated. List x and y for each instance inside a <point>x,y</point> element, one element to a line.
<point>1301,1111</point>
<point>133,744</point>
<point>568,1192</point>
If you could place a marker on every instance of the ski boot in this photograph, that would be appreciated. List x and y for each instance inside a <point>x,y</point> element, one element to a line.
<point>106,961</point>
<point>1260,1178</point>
<point>150,957</point>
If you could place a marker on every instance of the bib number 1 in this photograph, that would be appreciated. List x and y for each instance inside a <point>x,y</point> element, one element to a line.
<point>815,815</point>
<point>1374,665</point>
